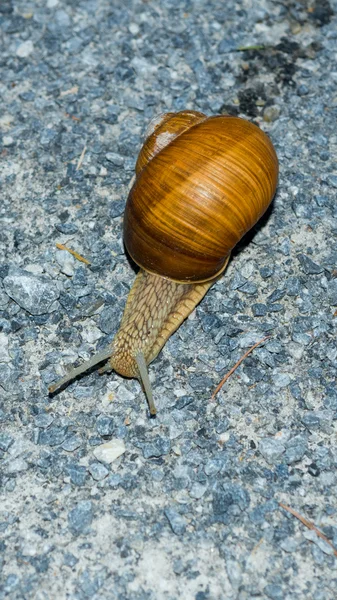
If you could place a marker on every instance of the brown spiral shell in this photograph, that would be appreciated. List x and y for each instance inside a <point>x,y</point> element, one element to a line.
<point>201,184</point>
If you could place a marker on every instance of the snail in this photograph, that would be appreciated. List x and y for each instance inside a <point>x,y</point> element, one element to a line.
<point>201,183</point>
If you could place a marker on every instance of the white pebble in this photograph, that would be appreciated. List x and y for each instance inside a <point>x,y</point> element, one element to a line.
<point>7,140</point>
<point>110,451</point>
<point>66,262</point>
<point>25,49</point>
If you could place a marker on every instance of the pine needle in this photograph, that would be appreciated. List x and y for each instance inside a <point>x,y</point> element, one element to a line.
<point>308,524</point>
<point>74,253</point>
<point>227,376</point>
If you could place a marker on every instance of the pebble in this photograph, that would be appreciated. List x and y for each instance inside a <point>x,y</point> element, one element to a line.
<point>309,266</point>
<point>54,436</point>
<point>271,450</point>
<point>322,544</point>
<point>34,294</point>
<point>25,49</point>
<point>18,465</point>
<point>234,572</point>
<point>177,522</point>
<point>81,517</point>
<point>66,262</point>
<point>158,447</point>
<point>231,497</point>
<point>78,474</point>
<point>6,441</point>
<point>105,425</point>
<point>273,591</point>
<point>110,451</point>
<point>72,443</point>
<point>197,490</point>
<point>43,420</point>
<point>295,449</point>
<point>289,545</point>
<point>98,471</point>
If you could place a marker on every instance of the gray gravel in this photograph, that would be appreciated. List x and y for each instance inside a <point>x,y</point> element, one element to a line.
<point>186,505</point>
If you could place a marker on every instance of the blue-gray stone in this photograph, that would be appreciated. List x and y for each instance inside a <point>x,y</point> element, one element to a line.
<point>54,436</point>
<point>273,591</point>
<point>158,447</point>
<point>259,310</point>
<point>78,474</point>
<point>177,522</point>
<point>72,443</point>
<point>231,497</point>
<point>80,517</point>
<point>43,420</point>
<point>98,471</point>
<point>6,441</point>
<point>308,265</point>
<point>271,449</point>
<point>105,425</point>
<point>35,294</point>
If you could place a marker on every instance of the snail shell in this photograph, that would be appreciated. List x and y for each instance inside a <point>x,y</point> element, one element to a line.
<point>201,184</point>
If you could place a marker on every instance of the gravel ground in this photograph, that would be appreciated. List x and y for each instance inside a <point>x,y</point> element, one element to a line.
<point>185,505</point>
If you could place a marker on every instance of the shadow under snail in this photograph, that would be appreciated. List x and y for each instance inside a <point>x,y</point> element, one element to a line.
<point>201,183</point>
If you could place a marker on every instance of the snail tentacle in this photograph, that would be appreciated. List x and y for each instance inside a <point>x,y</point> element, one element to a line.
<point>73,373</point>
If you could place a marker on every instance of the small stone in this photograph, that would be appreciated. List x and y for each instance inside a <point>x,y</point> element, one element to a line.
<point>43,420</point>
<point>6,441</point>
<point>271,450</point>
<point>271,113</point>
<point>234,573</point>
<point>67,229</point>
<point>322,544</point>
<point>332,180</point>
<point>274,591</point>
<point>53,436</point>
<point>105,425</point>
<point>115,159</point>
<point>11,583</point>
<point>34,294</point>
<point>110,451</point>
<point>69,560</point>
<point>158,447</point>
<point>98,471</point>
<point>116,208</point>
<point>25,49</point>
<point>311,420</point>
<point>259,310</point>
<point>197,490</point>
<point>295,449</point>
<point>332,292</point>
<point>309,266</point>
<point>289,544</point>
<point>281,380</point>
<point>77,473</point>
<point>7,140</point>
<point>72,443</point>
<point>80,517</point>
<point>177,522</point>
<point>18,465</point>
<point>66,262</point>
<point>232,497</point>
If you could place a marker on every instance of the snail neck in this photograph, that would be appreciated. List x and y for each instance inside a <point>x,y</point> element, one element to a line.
<point>154,310</point>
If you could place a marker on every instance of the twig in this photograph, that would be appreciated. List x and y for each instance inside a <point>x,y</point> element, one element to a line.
<point>74,253</point>
<point>308,524</point>
<point>79,164</point>
<point>218,388</point>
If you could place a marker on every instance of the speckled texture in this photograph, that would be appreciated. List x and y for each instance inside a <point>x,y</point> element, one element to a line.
<point>191,508</point>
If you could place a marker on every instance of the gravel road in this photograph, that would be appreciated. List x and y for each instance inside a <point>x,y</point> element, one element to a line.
<point>97,500</point>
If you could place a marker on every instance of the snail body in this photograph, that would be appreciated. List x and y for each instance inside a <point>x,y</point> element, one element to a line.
<point>201,183</point>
